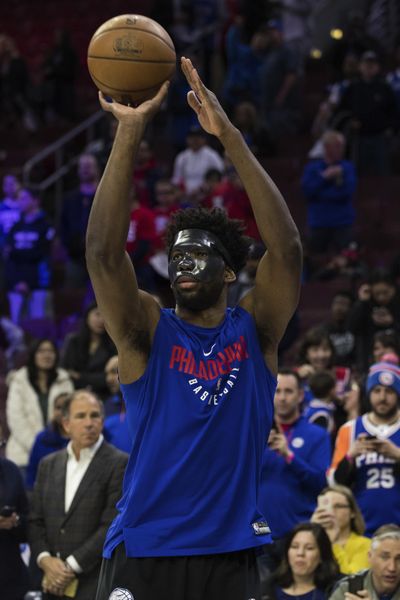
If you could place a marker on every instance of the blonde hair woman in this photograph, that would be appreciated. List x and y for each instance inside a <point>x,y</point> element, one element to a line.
<point>341,517</point>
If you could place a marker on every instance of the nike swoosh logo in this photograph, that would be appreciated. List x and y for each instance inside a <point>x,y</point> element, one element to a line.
<point>208,353</point>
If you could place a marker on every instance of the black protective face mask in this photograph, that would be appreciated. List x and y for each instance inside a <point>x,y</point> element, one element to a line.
<point>196,269</point>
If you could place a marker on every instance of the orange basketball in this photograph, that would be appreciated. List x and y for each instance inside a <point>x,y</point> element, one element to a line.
<point>129,57</point>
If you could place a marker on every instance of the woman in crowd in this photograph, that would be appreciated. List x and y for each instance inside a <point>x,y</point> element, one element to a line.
<point>86,352</point>
<point>52,438</point>
<point>317,353</point>
<point>308,569</point>
<point>14,578</point>
<point>31,396</point>
<point>340,516</point>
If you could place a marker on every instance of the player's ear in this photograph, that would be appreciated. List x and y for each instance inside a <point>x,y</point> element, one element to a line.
<point>230,275</point>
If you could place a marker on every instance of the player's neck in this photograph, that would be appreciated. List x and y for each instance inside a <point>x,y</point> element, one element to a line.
<point>210,317</point>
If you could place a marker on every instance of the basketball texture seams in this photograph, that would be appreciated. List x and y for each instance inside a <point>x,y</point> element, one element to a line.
<point>129,57</point>
<point>170,45</point>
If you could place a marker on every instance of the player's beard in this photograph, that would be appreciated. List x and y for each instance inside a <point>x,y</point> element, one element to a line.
<point>203,297</point>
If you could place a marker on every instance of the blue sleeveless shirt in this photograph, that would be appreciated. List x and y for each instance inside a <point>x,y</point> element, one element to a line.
<point>377,483</point>
<point>199,417</point>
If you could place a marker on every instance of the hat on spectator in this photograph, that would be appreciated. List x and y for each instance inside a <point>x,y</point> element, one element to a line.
<point>384,373</point>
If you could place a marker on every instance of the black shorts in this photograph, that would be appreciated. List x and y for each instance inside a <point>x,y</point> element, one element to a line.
<point>229,576</point>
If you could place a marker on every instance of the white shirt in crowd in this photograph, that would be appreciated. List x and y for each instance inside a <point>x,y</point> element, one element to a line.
<point>190,167</point>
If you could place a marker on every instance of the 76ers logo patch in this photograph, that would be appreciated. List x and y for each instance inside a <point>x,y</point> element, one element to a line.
<point>211,379</point>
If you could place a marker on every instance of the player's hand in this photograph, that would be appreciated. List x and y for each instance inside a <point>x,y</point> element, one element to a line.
<point>204,102</point>
<point>132,115</point>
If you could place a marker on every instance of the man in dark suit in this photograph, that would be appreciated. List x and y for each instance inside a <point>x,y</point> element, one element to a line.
<point>74,502</point>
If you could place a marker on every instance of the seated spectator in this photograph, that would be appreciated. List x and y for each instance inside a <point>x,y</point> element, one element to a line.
<point>321,409</point>
<point>191,164</point>
<point>294,465</point>
<point>52,438</point>
<point>340,516</point>
<point>85,353</point>
<point>307,570</point>
<point>14,578</point>
<point>31,395</point>
<point>12,341</point>
<point>116,425</point>
<point>367,450</point>
<point>74,219</point>
<point>329,185</point>
<point>382,579</point>
<point>74,501</point>
<point>27,260</point>
<point>317,353</point>
<point>341,336</point>
<point>376,309</point>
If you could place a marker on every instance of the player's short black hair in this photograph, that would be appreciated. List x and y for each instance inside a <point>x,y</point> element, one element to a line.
<point>228,231</point>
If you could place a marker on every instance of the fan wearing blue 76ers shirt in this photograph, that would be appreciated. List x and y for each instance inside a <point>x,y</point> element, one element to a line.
<point>198,380</point>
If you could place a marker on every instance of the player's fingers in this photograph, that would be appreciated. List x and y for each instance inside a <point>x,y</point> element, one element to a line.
<point>103,102</point>
<point>193,101</point>
<point>193,79</point>
<point>162,92</point>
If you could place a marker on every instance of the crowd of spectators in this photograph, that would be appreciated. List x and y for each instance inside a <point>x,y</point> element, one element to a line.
<point>330,486</point>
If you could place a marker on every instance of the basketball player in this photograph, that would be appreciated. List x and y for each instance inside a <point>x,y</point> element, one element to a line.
<point>198,381</point>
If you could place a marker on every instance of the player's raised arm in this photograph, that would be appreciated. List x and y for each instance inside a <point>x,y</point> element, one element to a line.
<point>275,295</point>
<point>128,313</point>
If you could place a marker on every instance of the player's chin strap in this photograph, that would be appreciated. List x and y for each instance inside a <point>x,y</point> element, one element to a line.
<point>206,238</point>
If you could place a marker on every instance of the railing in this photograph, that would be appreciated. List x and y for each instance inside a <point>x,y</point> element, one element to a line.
<point>62,165</point>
